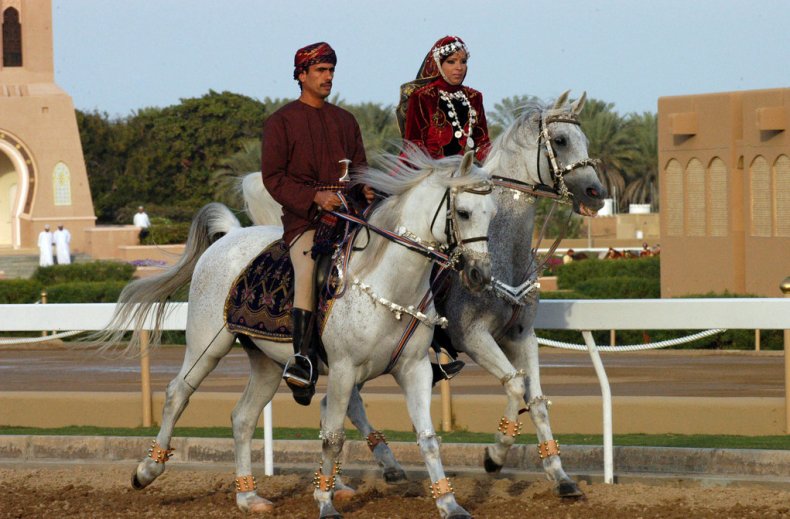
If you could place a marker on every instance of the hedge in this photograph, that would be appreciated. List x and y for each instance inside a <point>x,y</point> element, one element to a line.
<point>166,234</point>
<point>620,287</point>
<point>19,291</point>
<point>571,274</point>
<point>85,292</point>
<point>92,271</point>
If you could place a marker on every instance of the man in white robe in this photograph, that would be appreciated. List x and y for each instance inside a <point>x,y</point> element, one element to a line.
<point>62,239</point>
<point>45,247</point>
<point>141,220</point>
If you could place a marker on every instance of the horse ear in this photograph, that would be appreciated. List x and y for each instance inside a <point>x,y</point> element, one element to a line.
<point>578,105</point>
<point>466,163</point>
<point>560,102</point>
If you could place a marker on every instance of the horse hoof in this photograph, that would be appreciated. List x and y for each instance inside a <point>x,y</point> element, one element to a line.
<point>262,507</point>
<point>136,482</point>
<point>394,475</point>
<point>333,516</point>
<point>569,490</point>
<point>459,516</point>
<point>491,466</point>
<point>344,494</point>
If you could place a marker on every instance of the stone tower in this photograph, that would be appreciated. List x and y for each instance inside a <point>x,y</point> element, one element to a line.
<point>42,170</point>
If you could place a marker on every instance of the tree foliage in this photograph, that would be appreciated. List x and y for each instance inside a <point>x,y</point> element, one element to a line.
<point>164,155</point>
<point>173,160</point>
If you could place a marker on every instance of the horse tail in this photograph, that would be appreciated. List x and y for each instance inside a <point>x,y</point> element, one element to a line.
<point>143,303</point>
<point>258,203</point>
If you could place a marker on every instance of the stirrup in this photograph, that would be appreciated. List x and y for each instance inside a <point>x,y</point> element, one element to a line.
<point>298,375</point>
<point>298,371</point>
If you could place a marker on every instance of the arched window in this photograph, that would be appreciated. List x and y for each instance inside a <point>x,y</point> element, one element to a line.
<point>760,188</point>
<point>695,198</point>
<point>781,191</point>
<point>674,198</point>
<point>61,181</point>
<point>718,208</point>
<point>12,38</point>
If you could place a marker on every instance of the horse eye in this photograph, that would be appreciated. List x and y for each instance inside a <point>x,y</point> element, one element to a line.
<point>463,214</point>
<point>560,141</point>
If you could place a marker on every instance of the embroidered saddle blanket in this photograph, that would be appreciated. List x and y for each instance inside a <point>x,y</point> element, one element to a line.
<point>260,300</point>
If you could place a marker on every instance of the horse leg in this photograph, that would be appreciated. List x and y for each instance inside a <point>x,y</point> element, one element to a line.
<point>377,443</point>
<point>416,385</point>
<point>524,352</point>
<point>484,350</point>
<point>194,369</point>
<point>340,384</point>
<point>264,378</point>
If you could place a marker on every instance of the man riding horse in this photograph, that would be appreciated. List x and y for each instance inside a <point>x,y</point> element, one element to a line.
<point>306,147</point>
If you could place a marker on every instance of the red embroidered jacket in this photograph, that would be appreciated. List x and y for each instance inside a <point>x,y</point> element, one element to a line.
<point>300,150</point>
<point>428,125</point>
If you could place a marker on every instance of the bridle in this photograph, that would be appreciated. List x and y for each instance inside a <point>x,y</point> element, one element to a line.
<point>557,191</point>
<point>452,231</point>
<point>448,256</point>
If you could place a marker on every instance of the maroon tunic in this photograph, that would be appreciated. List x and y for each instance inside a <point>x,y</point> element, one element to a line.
<point>300,150</point>
<point>428,125</point>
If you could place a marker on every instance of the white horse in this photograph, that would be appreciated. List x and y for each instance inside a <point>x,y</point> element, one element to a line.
<point>361,330</point>
<point>542,153</point>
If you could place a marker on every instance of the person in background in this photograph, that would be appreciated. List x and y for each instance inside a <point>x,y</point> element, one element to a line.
<point>437,112</point>
<point>45,247</point>
<point>568,257</point>
<point>141,220</point>
<point>62,240</point>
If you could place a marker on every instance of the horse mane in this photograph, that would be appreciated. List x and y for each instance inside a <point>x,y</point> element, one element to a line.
<point>513,138</point>
<point>397,175</point>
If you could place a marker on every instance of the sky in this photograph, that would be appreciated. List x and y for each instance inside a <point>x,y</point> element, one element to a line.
<point>118,56</point>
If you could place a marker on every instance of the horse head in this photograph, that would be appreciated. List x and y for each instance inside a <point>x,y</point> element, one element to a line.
<point>443,205</point>
<point>545,147</point>
<point>470,211</point>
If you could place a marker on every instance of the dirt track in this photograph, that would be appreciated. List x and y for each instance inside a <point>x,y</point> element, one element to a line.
<point>180,493</point>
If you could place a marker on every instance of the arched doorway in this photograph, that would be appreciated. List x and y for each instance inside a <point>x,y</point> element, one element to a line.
<point>8,188</point>
<point>14,189</point>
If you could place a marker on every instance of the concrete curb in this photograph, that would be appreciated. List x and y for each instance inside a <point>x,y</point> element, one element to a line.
<point>768,465</point>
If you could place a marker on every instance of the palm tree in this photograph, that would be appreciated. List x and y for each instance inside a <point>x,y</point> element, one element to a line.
<point>378,126</point>
<point>642,174</point>
<point>506,111</point>
<point>610,142</point>
<point>225,181</point>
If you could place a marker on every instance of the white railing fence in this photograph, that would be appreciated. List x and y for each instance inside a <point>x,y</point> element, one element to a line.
<point>582,315</point>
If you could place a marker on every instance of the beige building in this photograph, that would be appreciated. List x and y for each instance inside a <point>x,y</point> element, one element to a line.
<point>724,163</point>
<point>42,169</point>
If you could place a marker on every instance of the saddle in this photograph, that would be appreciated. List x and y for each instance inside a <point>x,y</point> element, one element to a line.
<point>260,300</point>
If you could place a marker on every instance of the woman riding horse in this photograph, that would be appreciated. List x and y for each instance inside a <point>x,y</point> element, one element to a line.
<point>437,111</point>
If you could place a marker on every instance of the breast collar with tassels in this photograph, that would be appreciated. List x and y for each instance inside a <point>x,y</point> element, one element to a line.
<point>448,257</point>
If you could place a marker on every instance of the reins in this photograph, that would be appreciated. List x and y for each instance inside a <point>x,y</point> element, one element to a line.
<point>446,261</point>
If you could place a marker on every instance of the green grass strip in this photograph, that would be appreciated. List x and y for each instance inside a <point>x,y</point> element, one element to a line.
<point>701,441</point>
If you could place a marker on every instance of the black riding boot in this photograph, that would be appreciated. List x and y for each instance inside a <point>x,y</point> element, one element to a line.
<point>301,371</point>
<point>446,371</point>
